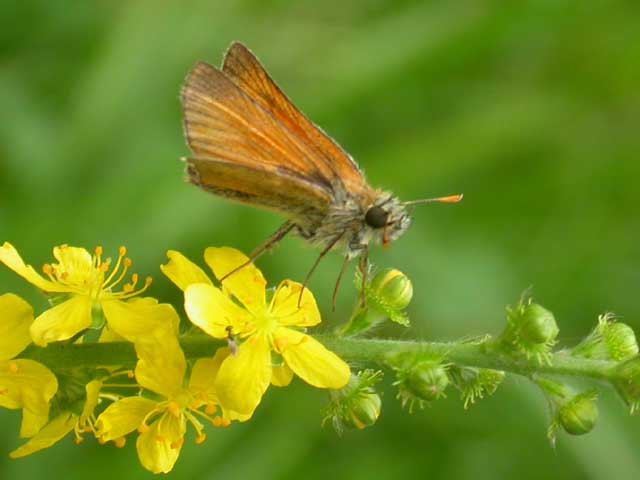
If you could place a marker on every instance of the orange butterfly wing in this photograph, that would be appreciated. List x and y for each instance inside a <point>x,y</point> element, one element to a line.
<point>244,69</point>
<point>243,152</point>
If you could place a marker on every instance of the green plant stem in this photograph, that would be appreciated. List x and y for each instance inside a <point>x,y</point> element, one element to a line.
<point>480,355</point>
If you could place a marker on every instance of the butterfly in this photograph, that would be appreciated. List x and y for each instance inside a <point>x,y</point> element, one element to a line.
<point>250,144</point>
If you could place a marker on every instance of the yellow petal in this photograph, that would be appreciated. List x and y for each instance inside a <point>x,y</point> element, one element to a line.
<point>92,389</point>
<point>62,321</point>
<point>16,317</point>
<point>182,271</point>
<point>212,311</point>
<point>282,375</point>
<point>141,319</point>
<point>310,360</point>
<point>50,434</point>
<point>75,264</point>
<point>202,383</point>
<point>159,447</point>
<point>32,422</point>
<point>29,385</point>
<point>161,366</point>
<point>243,378</point>
<point>284,305</point>
<point>123,417</point>
<point>247,284</point>
<point>10,257</point>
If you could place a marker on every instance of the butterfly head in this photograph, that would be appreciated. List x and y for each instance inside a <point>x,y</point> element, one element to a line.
<point>388,218</point>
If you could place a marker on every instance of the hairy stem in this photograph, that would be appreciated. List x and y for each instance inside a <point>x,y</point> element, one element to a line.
<point>481,355</point>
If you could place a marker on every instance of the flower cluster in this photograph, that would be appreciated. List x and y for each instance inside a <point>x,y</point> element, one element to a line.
<point>95,300</point>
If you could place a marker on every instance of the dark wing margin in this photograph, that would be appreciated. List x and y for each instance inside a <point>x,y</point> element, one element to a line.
<point>244,69</point>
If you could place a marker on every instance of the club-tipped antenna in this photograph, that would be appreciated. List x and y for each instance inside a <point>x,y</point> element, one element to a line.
<point>448,199</point>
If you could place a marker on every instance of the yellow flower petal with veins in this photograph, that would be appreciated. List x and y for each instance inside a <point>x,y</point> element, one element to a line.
<point>10,257</point>
<point>62,321</point>
<point>123,417</point>
<point>159,447</point>
<point>16,317</point>
<point>141,319</point>
<point>74,264</point>
<point>310,360</point>
<point>29,385</point>
<point>212,311</point>
<point>50,434</point>
<point>284,305</point>
<point>182,271</point>
<point>243,378</point>
<point>161,366</point>
<point>281,375</point>
<point>202,383</point>
<point>247,284</point>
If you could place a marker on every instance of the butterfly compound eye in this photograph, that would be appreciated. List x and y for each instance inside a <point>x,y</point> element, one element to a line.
<point>376,217</point>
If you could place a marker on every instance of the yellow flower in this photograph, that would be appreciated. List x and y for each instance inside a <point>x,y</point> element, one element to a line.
<point>64,423</point>
<point>264,327</point>
<point>88,280</point>
<point>24,383</point>
<point>162,421</point>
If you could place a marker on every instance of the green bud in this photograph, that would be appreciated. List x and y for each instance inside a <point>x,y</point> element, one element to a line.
<point>575,412</point>
<point>363,411</point>
<point>387,294</point>
<point>427,382</point>
<point>420,382</point>
<point>620,341</point>
<point>531,329</point>
<point>537,324</point>
<point>578,416</point>
<point>627,382</point>
<point>357,405</point>
<point>610,340</point>
<point>393,288</point>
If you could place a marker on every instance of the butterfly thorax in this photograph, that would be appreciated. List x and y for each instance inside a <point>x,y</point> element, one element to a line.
<point>353,223</point>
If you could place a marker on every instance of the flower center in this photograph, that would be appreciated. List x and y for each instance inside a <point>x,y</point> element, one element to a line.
<point>95,277</point>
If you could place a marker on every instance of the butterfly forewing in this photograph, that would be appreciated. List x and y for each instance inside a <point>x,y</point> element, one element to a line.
<point>244,69</point>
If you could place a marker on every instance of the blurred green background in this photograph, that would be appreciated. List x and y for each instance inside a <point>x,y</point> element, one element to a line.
<point>530,108</point>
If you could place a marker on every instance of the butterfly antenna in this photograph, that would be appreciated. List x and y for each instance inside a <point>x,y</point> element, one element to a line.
<point>316,263</point>
<point>337,287</point>
<point>273,239</point>
<point>448,199</point>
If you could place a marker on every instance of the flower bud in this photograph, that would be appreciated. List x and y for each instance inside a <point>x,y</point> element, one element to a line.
<point>620,341</point>
<point>392,287</point>
<point>627,382</point>
<point>363,411</point>
<point>609,340</point>
<point>357,405</point>
<point>427,382</point>
<point>537,324</point>
<point>578,416</point>
<point>424,381</point>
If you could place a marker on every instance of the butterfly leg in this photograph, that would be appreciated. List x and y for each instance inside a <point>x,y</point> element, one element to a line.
<point>363,265</point>
<point>337,286</point>
<point>316,263</point>
<point>273,239</point>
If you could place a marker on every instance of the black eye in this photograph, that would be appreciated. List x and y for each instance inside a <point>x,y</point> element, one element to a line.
<point>376,217</point>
